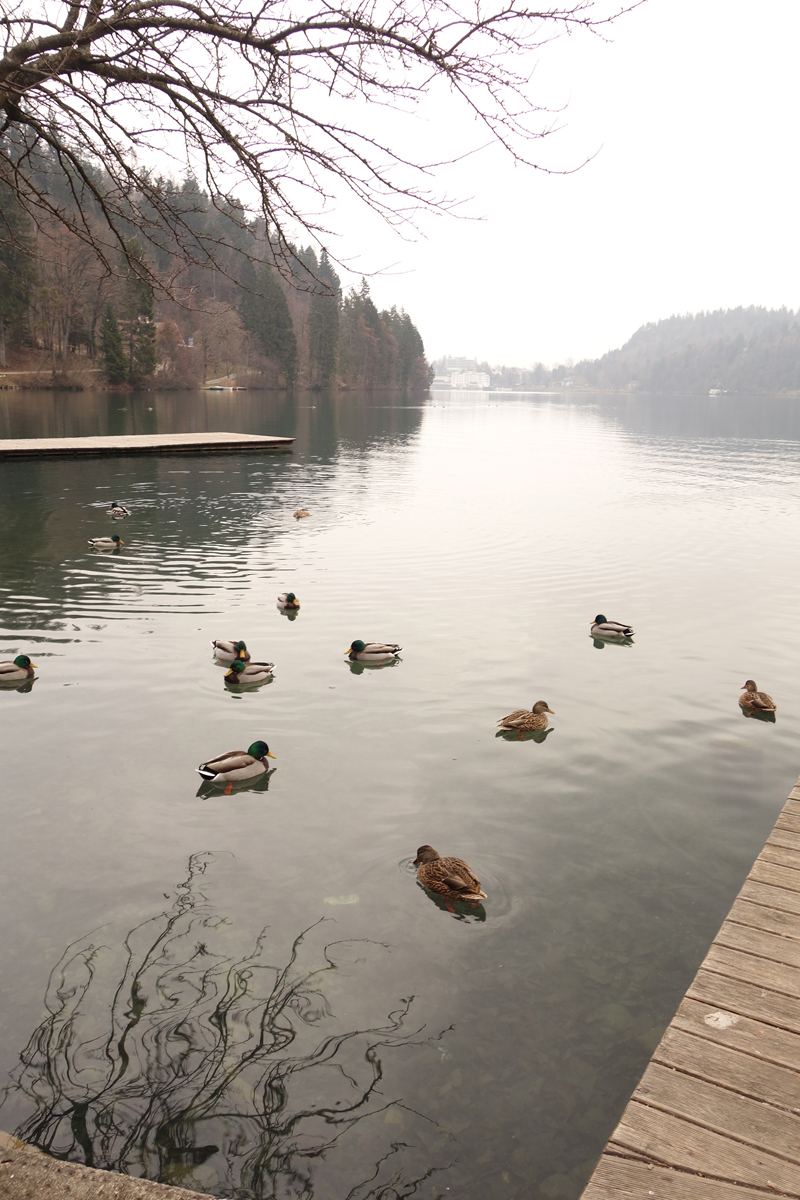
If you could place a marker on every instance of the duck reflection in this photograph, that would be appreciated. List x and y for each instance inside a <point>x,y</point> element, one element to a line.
<point>527,735</point>
<point>14,685</point>
<point>755,714</point>
<point>601,643</point>
<point>462,910</point>
<point>259,783</point>
<point>358,668</point>
<point>175,1056</point>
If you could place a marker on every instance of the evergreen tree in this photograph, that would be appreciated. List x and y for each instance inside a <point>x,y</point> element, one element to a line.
<point>139,308</point>
<point>112,351</point>
<point>323,322</point>
<point>265,313</point>
<point>16,265</point>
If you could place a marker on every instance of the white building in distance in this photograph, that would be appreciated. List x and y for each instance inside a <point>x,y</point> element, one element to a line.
<point>469,379</point>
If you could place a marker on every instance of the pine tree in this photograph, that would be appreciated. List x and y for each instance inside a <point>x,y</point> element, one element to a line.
<point>266,314</point>
<point>16,265</point>
<point>139,308</point>
<point>323,322</point>
<point>112,352</point>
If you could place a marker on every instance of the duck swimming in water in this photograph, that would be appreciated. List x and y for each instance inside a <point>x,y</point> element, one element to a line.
<point>525,720</point>
<point>13,672</point>
<point>237,764</point>
<point>288,600</point>
<point>106,543</point>
<point>450,877</point>
<point>751,697</point>
<point>227,651</point>
<point>248,672</point>
<point>603,628</point>
<point>374,652</point>
<point>118,510</point>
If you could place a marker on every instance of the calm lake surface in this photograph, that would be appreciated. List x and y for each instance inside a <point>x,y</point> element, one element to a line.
<point>249,994</point>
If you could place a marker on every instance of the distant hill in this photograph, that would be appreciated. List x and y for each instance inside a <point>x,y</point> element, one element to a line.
<point>736,349</point>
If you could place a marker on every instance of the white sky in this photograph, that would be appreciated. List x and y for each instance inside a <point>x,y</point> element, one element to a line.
<point>690,204</point>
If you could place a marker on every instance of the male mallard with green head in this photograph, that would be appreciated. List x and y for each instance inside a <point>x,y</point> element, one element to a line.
<point>359,651</point>
<point>751,697</point>
<point>118,510</point>
<point>248,672</point>
<point>524,720</point>
<point>106,543</point>
<point>603,628</point>
<point>237,764</point>
<point>450,877</point>
<point>288,601</point>
<point>20,668</point>
<point>227,651</point>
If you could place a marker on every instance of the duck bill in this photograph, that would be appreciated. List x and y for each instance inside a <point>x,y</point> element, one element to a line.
<point>269,755</point>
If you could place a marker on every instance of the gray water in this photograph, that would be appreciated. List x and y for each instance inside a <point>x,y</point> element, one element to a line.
<point>249,994</point>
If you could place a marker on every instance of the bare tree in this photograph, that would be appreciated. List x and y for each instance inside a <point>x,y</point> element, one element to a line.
<point>97,91</point>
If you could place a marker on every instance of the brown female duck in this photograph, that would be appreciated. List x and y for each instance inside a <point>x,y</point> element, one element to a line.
<point>523,720</point>
<point>751,697</point>
<point>450,877</point>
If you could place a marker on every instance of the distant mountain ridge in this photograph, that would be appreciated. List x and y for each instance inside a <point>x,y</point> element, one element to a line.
<point>737,349</point>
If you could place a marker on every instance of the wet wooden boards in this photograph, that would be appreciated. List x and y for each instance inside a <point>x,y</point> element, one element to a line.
<point>716,1115</point>
<point>141,443</point>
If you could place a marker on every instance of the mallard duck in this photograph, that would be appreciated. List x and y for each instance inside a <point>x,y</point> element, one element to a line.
<point>450,877</point>
<point>248,672</point>
<point>288,600</point>
<point>526,719</point>
<point>603,628</point>
<point>301,512</point>
<point>751,697</point>
<point>359,651</point>
<point>118,510</point>
<point>236,764</point>
<point>106,543</point>
<point>20,668</point>
<point>227,651</point>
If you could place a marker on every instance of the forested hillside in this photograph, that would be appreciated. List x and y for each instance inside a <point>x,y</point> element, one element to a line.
<point>165,316</point>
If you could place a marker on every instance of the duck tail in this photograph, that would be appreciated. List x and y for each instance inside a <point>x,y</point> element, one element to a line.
<point>206,772</point>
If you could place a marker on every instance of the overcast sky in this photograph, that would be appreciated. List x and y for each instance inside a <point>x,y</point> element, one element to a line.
<point>690,203</point>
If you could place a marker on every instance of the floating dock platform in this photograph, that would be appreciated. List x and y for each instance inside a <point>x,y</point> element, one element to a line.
<point>142,443</point>
<point>717,1113</point>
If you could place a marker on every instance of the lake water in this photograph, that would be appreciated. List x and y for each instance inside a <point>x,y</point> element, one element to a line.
<point>249,994</point>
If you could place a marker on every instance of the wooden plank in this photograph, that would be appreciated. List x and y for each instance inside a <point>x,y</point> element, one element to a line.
<point>751,1076</point>
<point>772,897</point>
<point>676,1142</point>
<point>755,941</point>
<point>788,838</point>
<point>724,1111</point>
<point>142,443</point>
<point>762,971</point>
<point>765,872</point>
<point>628,1179</point>
<point>759,916</point>
<point>780,856</point>
<point>748,1000</point>
<point>788,821</point>
<point>738,1032</point>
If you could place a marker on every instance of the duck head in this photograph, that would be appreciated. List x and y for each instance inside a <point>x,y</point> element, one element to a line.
<point>235,669</point>
<point>541,706</point>
<point>426,854</point>
<point>355,647</point>
<point>23,661</point>
<point>240,649</point>
<point>260,750</point>
<point>117,540</point>
<point>599,619</point>
<point>290,597</point>
<point>749,685</point>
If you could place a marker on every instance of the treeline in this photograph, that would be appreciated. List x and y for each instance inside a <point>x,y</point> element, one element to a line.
<point>224,310</point>
<point>738,350</point>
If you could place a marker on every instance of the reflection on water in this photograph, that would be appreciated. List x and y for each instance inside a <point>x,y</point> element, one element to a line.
<point>169,1057</point>
<point>610,855</point>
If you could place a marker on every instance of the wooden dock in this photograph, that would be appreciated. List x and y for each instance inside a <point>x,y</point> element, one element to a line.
<point>142,443</point>
<point>717,1113</point>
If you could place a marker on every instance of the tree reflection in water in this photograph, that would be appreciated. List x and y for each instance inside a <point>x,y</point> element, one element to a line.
<point>166,1058</point>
